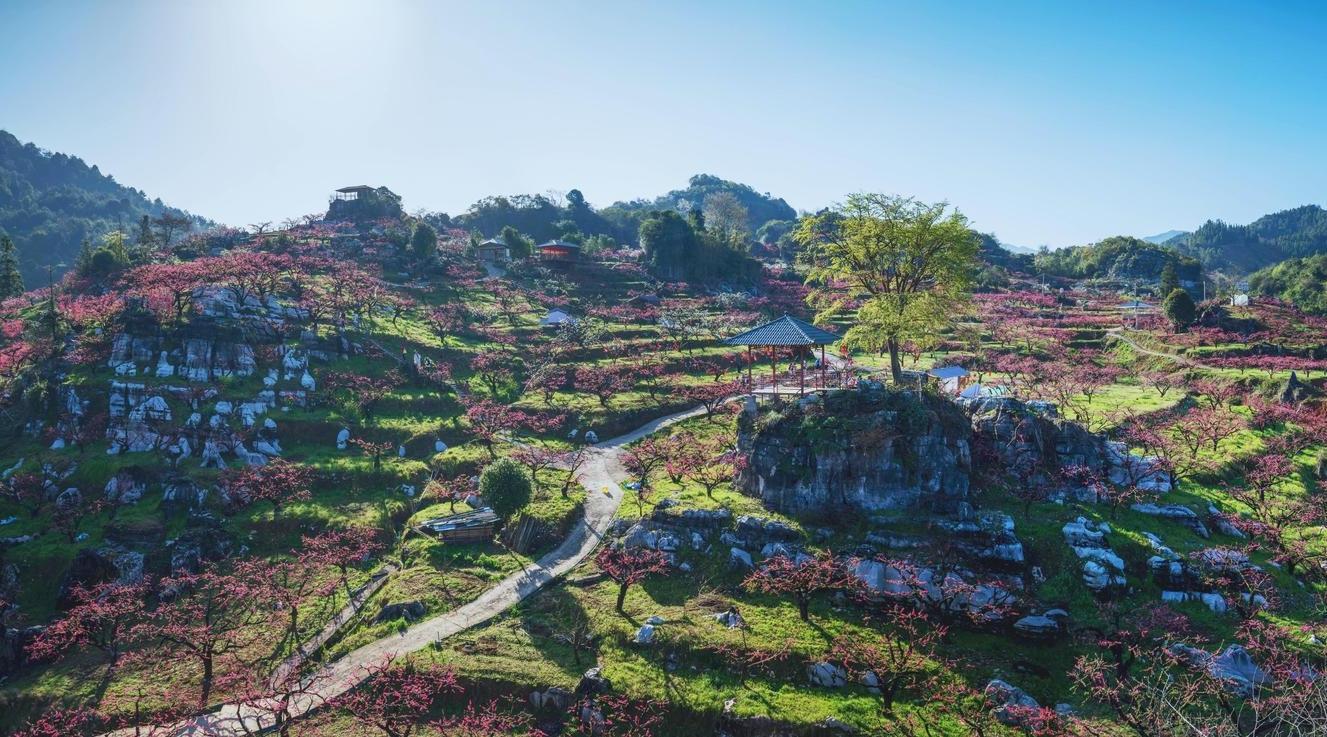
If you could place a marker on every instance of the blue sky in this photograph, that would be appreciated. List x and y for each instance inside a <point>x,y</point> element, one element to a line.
<point>1054,123</point>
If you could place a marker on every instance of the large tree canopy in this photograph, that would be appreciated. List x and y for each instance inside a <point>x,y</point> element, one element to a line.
<point>903,265</point>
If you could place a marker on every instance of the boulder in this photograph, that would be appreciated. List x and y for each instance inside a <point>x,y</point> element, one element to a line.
<point>203,540</point>
<point>1012,703</point>
<point>14,644</point>
<point>410,611</point>
<point>760,529</point>
<point>593,683</point>
<point>1038,627</point>
<point>1232,667</point>
<point>124,487</point>
<point>645,635</point>
<point>89,568</point>
<point>739,558</point>
<point>553,698</point>
<point>182,494</point>
<point>826,675</point>
<point>731,619</point>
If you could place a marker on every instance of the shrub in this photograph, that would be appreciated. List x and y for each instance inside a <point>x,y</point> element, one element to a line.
<point>506,487</point>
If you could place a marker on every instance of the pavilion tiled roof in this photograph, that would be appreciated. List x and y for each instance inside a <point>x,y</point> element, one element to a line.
<point>784,331</point>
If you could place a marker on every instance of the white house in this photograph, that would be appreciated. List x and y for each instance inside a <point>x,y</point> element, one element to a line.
<point>556,319</point>
<point>951,378</point>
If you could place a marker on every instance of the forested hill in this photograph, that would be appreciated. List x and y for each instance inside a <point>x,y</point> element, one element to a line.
<point>51,202</point>
<point>1294,233</point>
<point>1118,257</point>
<point>731,207</point>
<point>706,191</point>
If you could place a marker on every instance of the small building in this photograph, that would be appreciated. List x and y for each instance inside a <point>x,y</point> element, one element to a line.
<point>558,251</point>
<point>350,194</point>
<point>493,251</point>
<point>556,319</point>
<point>953,379</point>
<point>468,527</point>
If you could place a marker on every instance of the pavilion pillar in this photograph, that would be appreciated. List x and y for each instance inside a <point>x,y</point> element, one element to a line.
<point>749,361</point>
<point>801,375</point>
<point>774,369</point>
<point>823,368</point>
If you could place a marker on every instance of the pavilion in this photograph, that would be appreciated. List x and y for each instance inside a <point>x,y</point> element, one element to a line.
<point>784,332</point>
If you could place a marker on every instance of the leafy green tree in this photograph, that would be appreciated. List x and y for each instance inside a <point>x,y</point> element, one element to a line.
<point>669,242</point>
<point>909,263</point>
<point>1170,280</point>
<point>1180,309</point>
<point>726,216</point>
<point>424,241</point>
<point>111,256</point>
<point>145,235</point>
<point>11,281</point>
<point>517,245</point>
<point>506,487</point>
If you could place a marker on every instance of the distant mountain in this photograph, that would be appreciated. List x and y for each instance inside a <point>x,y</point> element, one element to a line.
<point>51,202</point>
<point>1160,238</point>
<point>1016,248</point>
<point>1294,233</point>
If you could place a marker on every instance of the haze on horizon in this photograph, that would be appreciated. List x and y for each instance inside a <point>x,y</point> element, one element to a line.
<point>1044,123</point>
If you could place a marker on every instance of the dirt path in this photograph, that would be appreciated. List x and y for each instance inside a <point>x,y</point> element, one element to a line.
<point>602,476</point>
<point>1118,334</point>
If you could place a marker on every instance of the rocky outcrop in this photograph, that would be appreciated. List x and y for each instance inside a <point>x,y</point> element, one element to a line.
<point>1103,569</point>
<point>1175,513</point>
<point>868,449</point>
<point>203,540</point>
<point>1232,667</point>
<point>1013,705</point>
<point>89,568</point>
<point>1019,434</point>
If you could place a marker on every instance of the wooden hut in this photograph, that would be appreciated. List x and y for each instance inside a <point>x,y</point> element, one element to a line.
<point>468,527</point>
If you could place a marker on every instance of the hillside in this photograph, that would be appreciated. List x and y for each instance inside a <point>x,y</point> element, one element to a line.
<point>51,202</point>
<point>1299,281</point>
<point>706,192</point>
<point>1118,258</point>
<point>1294,233</point>
<point>280,416</point>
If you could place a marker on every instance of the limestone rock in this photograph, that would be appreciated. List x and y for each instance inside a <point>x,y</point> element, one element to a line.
<point>826,675</point>
<point>928,466</point>
<point>1174,512</point>
<point>1011,702</point>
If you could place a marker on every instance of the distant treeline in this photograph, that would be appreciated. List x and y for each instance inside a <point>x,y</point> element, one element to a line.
<point>50,203</point>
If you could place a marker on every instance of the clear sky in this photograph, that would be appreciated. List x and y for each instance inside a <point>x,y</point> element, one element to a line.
<point>1056,122</point>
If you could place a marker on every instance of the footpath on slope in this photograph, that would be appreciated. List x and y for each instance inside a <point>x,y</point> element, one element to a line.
<point>602,476</point>
<point>1118,333</point>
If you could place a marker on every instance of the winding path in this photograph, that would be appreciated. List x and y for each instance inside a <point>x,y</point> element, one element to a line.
<point>1119,334</point>
<point>602,477</point>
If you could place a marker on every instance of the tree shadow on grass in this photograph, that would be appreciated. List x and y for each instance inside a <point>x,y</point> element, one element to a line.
<point>560,629</point>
